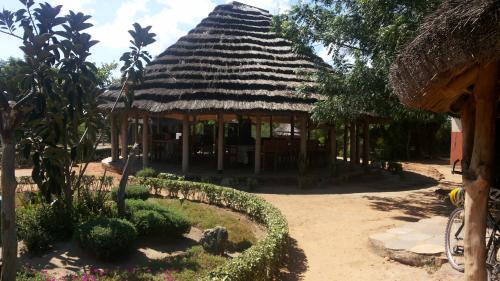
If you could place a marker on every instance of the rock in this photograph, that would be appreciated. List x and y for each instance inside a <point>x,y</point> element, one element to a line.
<point>214,240</point>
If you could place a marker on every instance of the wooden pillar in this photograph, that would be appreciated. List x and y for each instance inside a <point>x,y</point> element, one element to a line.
<point>145,141</point>
<point>114,140</point>
<point>292,127</point>
<point>220,143</point>
<point>477,177</point>
<point>185,143</point>
<point>135,129</point>
<point>366,143</point>
<point>258,143</point>
<point>303,137</point>
<point>352,143</point>
<point>333,144</point>
<point>358,136</point>
<point>124,136</point>
<point>271,127</point>
<point>346,139</point>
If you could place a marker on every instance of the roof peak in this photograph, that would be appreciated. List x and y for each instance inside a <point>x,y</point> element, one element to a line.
<point>239,4</point>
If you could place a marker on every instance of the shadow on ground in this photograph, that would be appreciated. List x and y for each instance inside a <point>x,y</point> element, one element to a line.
<point>295,264</point>
<point>374,181</point>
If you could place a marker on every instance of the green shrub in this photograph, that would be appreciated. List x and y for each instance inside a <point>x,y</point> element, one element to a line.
<point>40,225</point>
<point>107,238</point>
<point>154,219</point>
<point>146,173</point>
<point>168,176</point>
<point>264,259</point>
<point>132,192</point>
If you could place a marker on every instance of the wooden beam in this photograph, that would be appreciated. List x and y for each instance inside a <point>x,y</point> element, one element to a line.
<point>145,141</point>
<point>185,144</point>
<point>124,136</point>
<point>352,142</point>
<point>303,137</point>
<point>346,139</point>
<point>220,143</point>
<point>478,176</point>
<point>114,140</point>
<point>258,143</point>
<point>366,143</point>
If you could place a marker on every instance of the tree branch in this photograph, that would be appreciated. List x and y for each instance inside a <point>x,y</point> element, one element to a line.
<point>12,34</point>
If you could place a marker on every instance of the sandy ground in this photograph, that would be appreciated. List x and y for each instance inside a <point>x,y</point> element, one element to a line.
<point>330,227</point>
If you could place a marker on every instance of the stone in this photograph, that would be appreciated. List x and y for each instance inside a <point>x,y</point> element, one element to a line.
<point>215,240</point>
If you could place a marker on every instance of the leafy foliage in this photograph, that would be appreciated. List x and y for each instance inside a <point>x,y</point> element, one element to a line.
<point>151,218</point>
<point>362,37</point>
<point>107,238</point>
<point>40,225</point>
<point>132,192</point>
<point>146,173</point>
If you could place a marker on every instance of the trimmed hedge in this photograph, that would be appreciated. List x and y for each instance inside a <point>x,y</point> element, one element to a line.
<point>153,219</point>
<point>132,191</point>
<point>264,259</point>
<point>107,238</point>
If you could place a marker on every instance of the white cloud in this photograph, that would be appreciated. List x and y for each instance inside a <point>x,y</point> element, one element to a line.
<point>273,6</point>
<point>74,5</point>
<point>168,22</point>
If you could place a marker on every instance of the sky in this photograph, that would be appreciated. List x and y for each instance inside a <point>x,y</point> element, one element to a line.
<point>170,19</point>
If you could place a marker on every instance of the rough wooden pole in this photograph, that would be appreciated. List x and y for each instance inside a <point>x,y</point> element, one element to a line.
<point>303,137</point>
<point>346,138</point>
<point>478,176</point>
<point>185,143</point>
<point>366,143</point>
<point>271,127</point>
<point>258,143</point>
<point>357,152</point>
<point>8,215</point>
<point>333,145</point>
<point>114,140</point>
<point>292,127</point>
<point>124,136</point>
<point>352,143</point>
<point>220,143</point>
<point>145,141</point>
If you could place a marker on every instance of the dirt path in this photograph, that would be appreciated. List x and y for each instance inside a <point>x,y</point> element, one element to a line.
<point>330,226</point>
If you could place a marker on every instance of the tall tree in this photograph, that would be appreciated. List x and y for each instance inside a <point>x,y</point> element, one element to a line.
<point>362,38</point>
<point>53,98</point>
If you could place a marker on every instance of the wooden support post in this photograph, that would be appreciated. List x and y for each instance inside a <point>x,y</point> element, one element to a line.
<point>292,127</point>
<point>333,145</point>
<point>185,143</point>
<point>346,139</point>
<point>271,127</point>
<point>366,143</point>
<point>258,143</point>
<point>135,128</point>
<point>145,141</point>
<point>220,143</point>
<point>303,137</point>
<point>124,136</point>
<point>358,134</point>
<point>352,143</point>
<point>477,177</point>
<point>114,140</point>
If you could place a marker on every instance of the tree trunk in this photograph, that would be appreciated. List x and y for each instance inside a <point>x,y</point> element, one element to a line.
<point>478,176</point>
<point>352,143</point>
<point>120,196</point>
<point>8,213</point>
<point>333,149</point>
<point>346,133</point>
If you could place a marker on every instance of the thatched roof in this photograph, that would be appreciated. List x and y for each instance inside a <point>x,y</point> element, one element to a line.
<point>439,67</point>
<point>231,61</point>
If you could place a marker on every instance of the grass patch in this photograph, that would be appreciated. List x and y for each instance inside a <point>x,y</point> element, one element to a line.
<point>204,216</point>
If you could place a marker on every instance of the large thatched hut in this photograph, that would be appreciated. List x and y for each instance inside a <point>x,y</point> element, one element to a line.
<point>453,66</point>
<point>230,67</point>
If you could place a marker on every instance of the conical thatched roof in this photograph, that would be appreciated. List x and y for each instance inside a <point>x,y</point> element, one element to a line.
<point>439,67</point>
<point>232,62</point>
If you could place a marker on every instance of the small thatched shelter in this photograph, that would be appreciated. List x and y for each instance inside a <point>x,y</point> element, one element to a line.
<point>453,66</point>
<point>231,66</point>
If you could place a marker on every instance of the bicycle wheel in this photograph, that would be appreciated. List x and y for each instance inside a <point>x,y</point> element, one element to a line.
<point>454,239</point>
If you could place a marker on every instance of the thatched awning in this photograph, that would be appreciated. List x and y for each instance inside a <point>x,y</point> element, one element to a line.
<point>437,70</point>
<point>230,62</point>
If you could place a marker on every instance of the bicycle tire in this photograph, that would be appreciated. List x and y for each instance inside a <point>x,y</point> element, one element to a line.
<point>447,236</point>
